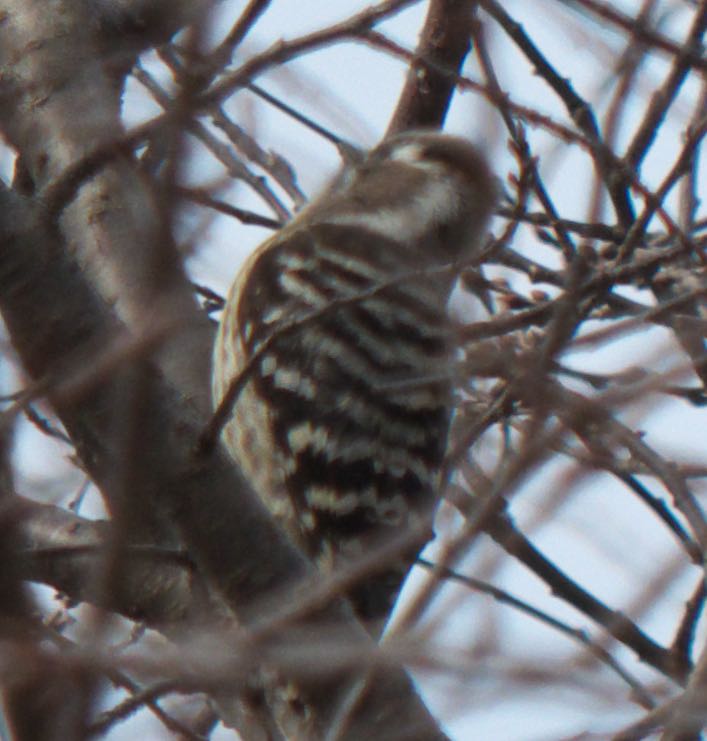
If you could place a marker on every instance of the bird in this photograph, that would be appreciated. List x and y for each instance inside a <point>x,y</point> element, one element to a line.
<point>340,326</point>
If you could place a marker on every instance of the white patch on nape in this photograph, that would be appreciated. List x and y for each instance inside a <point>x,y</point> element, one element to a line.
<point>436,203</point>
<point>413,154</point>
<point>410,153</point>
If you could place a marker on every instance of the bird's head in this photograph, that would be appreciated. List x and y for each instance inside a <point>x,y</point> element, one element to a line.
<point>422,188</point>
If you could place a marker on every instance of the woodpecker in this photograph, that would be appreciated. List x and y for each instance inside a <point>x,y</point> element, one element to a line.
<point>342,423</point>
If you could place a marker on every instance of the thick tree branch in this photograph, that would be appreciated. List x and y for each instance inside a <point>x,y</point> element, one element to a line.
<point>432,78</point>
<point>66,551</point>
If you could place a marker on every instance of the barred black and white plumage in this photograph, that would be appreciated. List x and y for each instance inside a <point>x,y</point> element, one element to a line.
<point>342,424</point>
